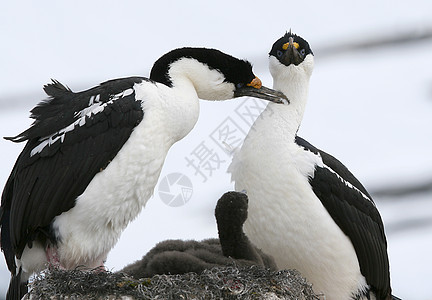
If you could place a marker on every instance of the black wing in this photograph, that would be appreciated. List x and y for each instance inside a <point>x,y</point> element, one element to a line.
<point>354,211</point>
<point>74,136</point>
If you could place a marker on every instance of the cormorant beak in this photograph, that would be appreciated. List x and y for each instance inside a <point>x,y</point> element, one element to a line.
<point>257,90</point>
<point>291,54</point>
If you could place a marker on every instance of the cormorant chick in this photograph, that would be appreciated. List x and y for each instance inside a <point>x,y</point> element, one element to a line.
<point>233,246</point>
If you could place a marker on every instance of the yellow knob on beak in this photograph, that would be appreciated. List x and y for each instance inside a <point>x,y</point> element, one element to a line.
<point>286,45</point>
<point>256,83</point>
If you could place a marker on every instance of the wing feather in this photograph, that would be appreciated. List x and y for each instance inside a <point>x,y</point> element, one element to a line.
<point>355,213</point>
<point>68,144</point>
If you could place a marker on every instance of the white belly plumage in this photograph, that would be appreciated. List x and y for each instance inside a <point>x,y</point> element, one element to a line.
<point>117,194</point>
<point>89,230</point>
<point>287,220</point>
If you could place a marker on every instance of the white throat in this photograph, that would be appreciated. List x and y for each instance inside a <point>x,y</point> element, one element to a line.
<point>293,81</point>
<point>209,84</point>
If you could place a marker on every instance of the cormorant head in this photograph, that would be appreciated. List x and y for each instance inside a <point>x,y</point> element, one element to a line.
<point>231,209</point>
<point>291,51</point>
<point>214,74</point>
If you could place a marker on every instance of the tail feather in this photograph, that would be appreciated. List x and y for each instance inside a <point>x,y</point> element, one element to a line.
<point>17,288</point>
<point>56,89</point>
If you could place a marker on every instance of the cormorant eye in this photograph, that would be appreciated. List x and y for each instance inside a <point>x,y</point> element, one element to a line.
<point>279,53</point>
<point>239,85</point>
<point>302,52</point>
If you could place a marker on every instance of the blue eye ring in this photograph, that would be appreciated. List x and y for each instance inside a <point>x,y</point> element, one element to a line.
<point>239,85</point>
<point>302,52</point>
<point>279,53</point>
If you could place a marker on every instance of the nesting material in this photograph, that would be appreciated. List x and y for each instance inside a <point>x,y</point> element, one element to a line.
<point>230,282</point>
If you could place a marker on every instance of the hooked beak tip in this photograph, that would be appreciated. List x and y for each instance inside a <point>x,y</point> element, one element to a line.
<point>262,93</point>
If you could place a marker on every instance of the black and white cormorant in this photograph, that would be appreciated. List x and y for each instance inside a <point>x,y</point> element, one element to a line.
<point>233,246</point>
<point>306,209</point>
<point>92,158</point>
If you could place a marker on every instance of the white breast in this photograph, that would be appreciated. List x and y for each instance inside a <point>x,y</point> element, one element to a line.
<point>116,196</point>
<point>285,217</point>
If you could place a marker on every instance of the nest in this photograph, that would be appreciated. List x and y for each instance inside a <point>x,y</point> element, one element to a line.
<point>230,282</point>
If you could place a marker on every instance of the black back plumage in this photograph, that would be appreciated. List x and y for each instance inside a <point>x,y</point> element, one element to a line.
<point>356,215</point>
<point>45,183</point>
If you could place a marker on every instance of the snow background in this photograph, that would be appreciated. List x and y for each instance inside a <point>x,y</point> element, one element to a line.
<point>370,107</point>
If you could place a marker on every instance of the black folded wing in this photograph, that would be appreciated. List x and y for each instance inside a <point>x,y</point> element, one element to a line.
<point>74,136</point>
<point>353,210</point>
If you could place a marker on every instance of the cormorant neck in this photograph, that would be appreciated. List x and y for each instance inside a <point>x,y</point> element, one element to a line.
<point>209,84</point>
<point>232,238</point>
<point>293,81</point>
<point>236,244</point>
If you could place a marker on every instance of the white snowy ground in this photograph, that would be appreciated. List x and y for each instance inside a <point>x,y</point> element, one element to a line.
<point>370,108</point>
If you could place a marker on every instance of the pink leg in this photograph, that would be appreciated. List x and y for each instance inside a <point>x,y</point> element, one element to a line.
<point>100,263</point>
<point>101,268</point>
<point>95,266</point>
<point>54,261</point>
<point>53,257</point>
